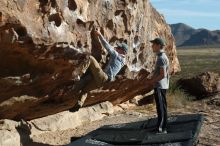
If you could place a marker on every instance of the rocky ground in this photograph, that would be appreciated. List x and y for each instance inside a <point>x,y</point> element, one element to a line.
<point>209,135</point>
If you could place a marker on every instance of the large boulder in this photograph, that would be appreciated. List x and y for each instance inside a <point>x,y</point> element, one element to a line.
<point>9,136</point>
<point>69,120</point>
<point>203,85</point>
<point>45,46</point>
<point>23,133</point>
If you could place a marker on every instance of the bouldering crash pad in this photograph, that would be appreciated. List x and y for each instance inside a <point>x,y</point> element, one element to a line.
<point>182,130</point>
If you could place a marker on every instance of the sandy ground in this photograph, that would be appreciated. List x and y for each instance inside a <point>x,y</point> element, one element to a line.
<point>209,135</point>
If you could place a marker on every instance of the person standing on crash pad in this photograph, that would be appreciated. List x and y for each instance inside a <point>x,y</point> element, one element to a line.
<point>100,76</point>
<point>160,82</point>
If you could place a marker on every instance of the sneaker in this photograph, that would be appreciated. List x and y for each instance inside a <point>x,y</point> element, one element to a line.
<point>79,103</point>
<point>75,108</point>
<point>162,131</point>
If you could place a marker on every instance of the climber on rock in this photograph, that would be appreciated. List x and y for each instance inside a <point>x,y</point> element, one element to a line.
<point>100,76</point>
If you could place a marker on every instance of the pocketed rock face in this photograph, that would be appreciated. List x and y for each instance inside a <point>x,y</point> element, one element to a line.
<point>45,45</point>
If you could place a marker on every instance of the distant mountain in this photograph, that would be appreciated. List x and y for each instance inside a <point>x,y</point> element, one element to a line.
<point>187,36</point>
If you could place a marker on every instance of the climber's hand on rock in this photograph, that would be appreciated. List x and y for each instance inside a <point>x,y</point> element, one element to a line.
<point>97,33</point>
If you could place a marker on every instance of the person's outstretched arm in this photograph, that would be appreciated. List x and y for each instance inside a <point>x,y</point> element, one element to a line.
<point>106,45</point>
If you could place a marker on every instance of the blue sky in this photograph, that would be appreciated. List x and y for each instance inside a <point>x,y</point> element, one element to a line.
<point>196,13</point>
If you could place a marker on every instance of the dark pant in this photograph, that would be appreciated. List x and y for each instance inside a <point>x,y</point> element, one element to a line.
<point>161,105</point>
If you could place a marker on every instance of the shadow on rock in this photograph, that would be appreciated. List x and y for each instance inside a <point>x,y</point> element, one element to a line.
<point>24,132</point>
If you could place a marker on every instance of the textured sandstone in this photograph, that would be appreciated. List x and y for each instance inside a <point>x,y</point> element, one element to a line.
<point>9,136</point>
<point>45,44</point>
<point>14,133</point>
<point>67,120</point>
<point>203,85</point>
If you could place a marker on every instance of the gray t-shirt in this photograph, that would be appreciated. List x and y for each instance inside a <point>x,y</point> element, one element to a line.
<point>162,62</point>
